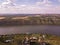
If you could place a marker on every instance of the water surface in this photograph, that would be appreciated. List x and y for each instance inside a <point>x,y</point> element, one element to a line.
<point>50,29</point>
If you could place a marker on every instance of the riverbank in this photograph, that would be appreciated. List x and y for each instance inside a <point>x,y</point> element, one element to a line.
<point>16,39</point>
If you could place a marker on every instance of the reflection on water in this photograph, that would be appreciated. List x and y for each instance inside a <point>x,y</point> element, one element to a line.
<point>31,29</point>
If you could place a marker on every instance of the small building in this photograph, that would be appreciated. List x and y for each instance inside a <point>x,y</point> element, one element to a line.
<point>33,41</point>
<point>8,41</point>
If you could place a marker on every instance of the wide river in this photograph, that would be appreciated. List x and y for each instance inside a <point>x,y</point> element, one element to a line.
<point>50,29</point>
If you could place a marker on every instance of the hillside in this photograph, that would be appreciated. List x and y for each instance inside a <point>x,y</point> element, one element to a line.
<point>31,19</point>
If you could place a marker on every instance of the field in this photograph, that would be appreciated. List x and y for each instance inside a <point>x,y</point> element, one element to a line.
<point>30,20</point>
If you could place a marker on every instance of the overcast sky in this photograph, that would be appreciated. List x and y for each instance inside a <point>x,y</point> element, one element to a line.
<point>30,6</point>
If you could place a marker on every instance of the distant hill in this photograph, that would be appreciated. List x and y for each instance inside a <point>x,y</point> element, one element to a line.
<point>29,14</point>
<point>30,19</point>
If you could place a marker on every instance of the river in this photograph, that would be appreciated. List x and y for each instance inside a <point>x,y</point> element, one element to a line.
<point>50,29</point>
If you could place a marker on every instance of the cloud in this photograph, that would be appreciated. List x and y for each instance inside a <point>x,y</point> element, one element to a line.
<point>7,4</point>
<point>30,9</point>
<point>58,0</point>
<point>46,7</point>
<point>44,3</point>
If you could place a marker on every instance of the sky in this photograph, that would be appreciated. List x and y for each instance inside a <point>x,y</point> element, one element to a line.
<point>29,6</point>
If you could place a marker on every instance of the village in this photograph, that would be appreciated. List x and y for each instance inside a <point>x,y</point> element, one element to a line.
<point>29,39</point>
